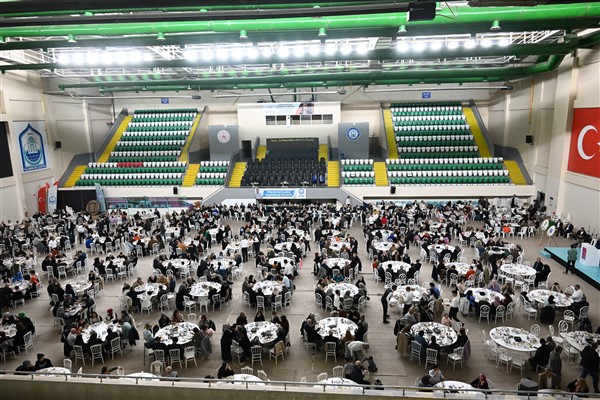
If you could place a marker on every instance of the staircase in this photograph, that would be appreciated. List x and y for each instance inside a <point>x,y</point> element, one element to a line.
<point>80,169</point>
<point>188,142</point>
<point>333,173</point>
<point>236,176</point>
<point>324,152</point>
<point>261,152</point>
<point>380,174</point>
<point>477,133</point>
<point>515,173</point>
<point>190,175</point>
<point>113,142</point>
<point>389,134</point>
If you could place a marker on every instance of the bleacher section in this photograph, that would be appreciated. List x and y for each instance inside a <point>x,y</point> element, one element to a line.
<point>212,173</point>
<point>147,152</point>
<point>272,172</point>
<point>358,172</point>
<point>436,146</point>
<point>447,171</point>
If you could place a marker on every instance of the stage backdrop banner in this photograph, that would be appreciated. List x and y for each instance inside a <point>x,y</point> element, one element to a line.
<point>584,153</point>
<point>295,108</point>
<point>33,145</point>
<point>283,193</point>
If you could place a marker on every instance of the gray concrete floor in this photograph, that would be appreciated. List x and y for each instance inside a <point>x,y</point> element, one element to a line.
<point>393,369</point>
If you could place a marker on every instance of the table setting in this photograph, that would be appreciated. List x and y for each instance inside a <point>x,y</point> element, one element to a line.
<point>400,293</point>
<point>144,376</point>
<point>101,329</point>
<point>337,246</point>
<point>445,336</point>
<point>9,330</point>
<point>52,371</point>
<point>225,262</point>
<point>338,325</point>
<point>79,286</point>
<point>457,387</point>
<point>177,263</point>
<point>461,267</point>
<point>183,331</point>
<point>518,270</point>
<point>338,383</point>
<point>580,339</point>
<point>267,287</point>
<point>264,331</point>
<point>343,288</point>
<point>336,262</point>
<point>541,295</point>
<point>397,266</point>
<point>383,246</point>
<point>438,248</point>
<point>243,379</point>
<point>201,289</point>
<point>516,339</point>
<point>286,246</point>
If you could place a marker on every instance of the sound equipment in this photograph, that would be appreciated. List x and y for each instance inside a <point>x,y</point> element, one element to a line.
<point>57,144</point>
<point>421,11</point>
<point>175,190</point>
<point>393,189</point>
<point>529,139</point>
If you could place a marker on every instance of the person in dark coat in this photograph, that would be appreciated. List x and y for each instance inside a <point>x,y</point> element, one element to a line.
<point>541,356</point>
<point>226,342</point>
<point>590,361</point>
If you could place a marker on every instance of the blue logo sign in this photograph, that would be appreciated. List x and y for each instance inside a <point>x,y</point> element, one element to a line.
<point>425,95</point>
<point>31,143</point>
<point>164,100</point>
<point>353,134</point>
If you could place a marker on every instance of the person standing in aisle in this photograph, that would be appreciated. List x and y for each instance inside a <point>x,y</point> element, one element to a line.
<point>385,299</point>
<point>571,259</point>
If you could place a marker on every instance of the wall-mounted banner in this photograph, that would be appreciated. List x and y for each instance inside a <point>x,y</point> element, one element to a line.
<point>295,108</point>
<point>52,198</point>
<point>584,153</point>
<point>283,193</point>
<point>100,197</point>
<point>32,145</point>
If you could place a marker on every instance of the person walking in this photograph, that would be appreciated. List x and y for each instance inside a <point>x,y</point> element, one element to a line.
<point>385,299</point>
<point>571,259</point>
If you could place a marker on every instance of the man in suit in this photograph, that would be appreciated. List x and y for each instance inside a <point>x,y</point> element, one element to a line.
<point>548,380</point>
<point>541,357</point>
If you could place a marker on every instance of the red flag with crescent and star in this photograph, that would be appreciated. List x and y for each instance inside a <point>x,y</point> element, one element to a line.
<point>584,153</point>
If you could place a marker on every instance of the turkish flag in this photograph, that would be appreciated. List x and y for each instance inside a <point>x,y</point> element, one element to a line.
<point>584,153</point>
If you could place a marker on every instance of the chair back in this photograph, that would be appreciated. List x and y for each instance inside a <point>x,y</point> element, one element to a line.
<point>68,364</point>
<point>156,367</point>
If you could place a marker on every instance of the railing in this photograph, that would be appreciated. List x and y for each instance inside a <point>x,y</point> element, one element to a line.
<point>429,392</point>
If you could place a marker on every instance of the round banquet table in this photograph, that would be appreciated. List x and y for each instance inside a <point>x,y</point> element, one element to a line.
<point>233,247</point>
<point>144,376</point>
<point>79,286</point>
<point>267,287</point>
<point>101,329</point>
<point>265,331</point>
<point>334,383</point>
<point>183,331</point>
<point>343,288</point>
<point>226,262</point>
<point>397,266</point>
<point>461,267</point>
<point>149,289</point>
<point>335,262</point>
<point>458,386</point>
<point>444,335</point>
<point>176,263</point>
<point>484,293</point>
<point>53,370</point>
<point>201,289</point>
<point>337,246</point>
<point>286,246</point>
<point>298,232</point>
<point>417,291</point>
<point>382,246</point>
<point>496,251</point>
<point>383,232</point>
<point>541,295</point>
<point>21,286</point>
<point>505,336</point>
<point>580,339</point>
<point>438,248</point>
<point>330,232</point>
<point>338,325</point>
<point>519,270</point>
<point>9,330</point>
<point>281,260</point>
<point>243,379</point>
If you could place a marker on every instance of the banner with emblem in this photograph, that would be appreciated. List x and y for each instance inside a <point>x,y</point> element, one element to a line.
<point>33,145</point>
<point>584,152</point>
<point>52,198</point>
<point>283,193</point>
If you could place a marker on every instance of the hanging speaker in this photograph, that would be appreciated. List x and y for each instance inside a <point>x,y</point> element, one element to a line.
<point>529,139</point>
<point>175,190</point>
<point>57,144</point>
<point>393,189</point>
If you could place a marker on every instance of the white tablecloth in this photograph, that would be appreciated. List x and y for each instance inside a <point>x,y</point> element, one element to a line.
<point>343,288</point>
<point>183,331</point>
<point>101,329</point>
<point>286,246</point>
<point>267,287</point>
<point>53,370</point>
<point>444,335</point>
<point>579,339</point>
<point>201,289</point>
<point>397,266</point>
<point>142,376</point>
<point>176,263</point>
<point>461,267</point>
<point>245,378</point>
<point>337,246</point>
<point>417,291</point>
<point>518,270</point>
<point>265,331</point>
<point>488,294</point>
<point>439,247</point>
<point>541,295</point>
<point>334,383</point>
<point>338,325</point>
<point>505,336</point>
<point>335,262</point>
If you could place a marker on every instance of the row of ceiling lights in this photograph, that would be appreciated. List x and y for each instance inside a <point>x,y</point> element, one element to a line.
<point>95,57</point>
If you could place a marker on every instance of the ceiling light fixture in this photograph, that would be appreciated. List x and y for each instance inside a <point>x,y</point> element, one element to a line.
<point>2,40</point>
<point>314,50</point>
<point>503,42</point>
<point>402,30</point>
<point>452,45</point>
<point>436,46</point>
<point>207,54</point>
<point>495,25</point>
<point>346,49</point>
<point>470,44</point>
<point>252,53</point>
<point>402,46</point>
<point>283,52</point>
<point>486,43</point>
<point>243,35</point>
<point>330,49</point>
<point>420,88</point>
<point>419,46</point>
<point>160,36</point>
<point>71,39</point>
<point>362,49</point>
<point>322,33</point>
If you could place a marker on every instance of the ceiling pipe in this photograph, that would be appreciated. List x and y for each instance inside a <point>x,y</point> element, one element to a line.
<point>436,88</point>
<point>375,55</point>
<point>553,17</point>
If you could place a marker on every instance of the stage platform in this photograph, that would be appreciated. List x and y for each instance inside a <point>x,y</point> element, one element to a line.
<point>590,274</point>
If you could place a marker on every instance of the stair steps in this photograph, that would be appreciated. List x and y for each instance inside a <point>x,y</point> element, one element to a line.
<point>75,175</point>
<point>188,141</point>
<point>113,142</point>
<point>190,176</point>
<point>380,174</point>
<point>515,173</point>
<point>324,152</point>
<point>261,152</point>
<point>333,174</point>
<point>236,176</point>
<point>390,134</point>
<point>484,151</point>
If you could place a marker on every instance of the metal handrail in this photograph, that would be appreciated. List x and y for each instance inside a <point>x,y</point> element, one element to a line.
<point>405,390</point>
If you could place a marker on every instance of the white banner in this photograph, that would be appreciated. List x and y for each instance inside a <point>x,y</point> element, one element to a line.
<point>295,108</point>
<point>33,145</point>
<point>283,193</point>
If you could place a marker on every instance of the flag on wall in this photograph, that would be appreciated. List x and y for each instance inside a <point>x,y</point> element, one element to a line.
<point>584,152</point>
<point>42,198</point>
<point>52,197</point>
